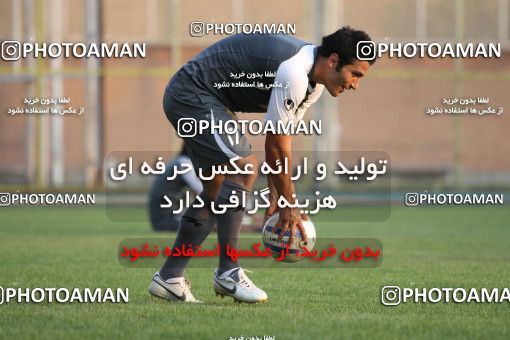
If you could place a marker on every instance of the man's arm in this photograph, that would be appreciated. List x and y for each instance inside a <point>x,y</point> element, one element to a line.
<point>278,147</point>
<point>283,107</point>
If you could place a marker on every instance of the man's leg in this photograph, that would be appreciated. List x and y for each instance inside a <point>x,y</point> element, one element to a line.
<point>229,223</point>
<point>229,278</point>
<point>197,223</point>
<point>195,226</point>
<point>207,150</point>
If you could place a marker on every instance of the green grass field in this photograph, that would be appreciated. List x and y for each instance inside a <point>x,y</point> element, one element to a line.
<point>423,247</point>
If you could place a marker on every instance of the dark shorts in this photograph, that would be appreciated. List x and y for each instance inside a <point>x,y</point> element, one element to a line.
<point>185,105</point>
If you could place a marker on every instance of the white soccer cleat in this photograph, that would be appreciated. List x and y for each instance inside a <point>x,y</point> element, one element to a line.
<point>236,284</point>
<point>174,289</point>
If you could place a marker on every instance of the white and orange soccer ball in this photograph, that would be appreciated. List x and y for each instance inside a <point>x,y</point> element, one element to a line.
<point>270,240</point>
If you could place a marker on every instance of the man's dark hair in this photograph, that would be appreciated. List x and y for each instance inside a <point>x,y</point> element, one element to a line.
<point>344,43</point>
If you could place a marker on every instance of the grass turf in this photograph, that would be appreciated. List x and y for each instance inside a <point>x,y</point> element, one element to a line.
<point>423,247</point>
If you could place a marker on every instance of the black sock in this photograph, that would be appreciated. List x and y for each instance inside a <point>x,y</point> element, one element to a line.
<point>195,226</point>
<point>229,223</point>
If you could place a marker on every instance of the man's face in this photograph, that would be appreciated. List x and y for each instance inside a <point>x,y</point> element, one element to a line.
<point>347,78</point>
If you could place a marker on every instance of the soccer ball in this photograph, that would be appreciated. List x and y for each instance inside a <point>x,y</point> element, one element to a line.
<point>270,240</point>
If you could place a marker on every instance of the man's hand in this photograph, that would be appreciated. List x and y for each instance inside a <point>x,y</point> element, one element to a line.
<point>291,219</point>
